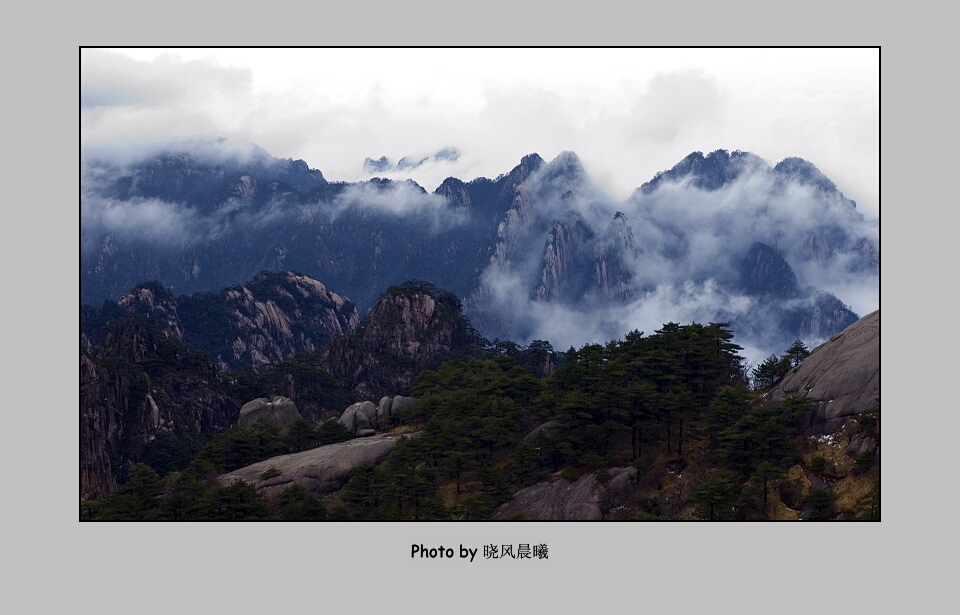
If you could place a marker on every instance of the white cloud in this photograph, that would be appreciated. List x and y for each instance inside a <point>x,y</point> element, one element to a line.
<point>627,113</point>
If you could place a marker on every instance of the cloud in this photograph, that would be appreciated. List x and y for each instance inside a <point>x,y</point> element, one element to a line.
<point>689,243</point>
<point>399,199</point>
<point>146,220</point>
<point>92,97</point>
<point>676,103</point>
<point>627,112</point>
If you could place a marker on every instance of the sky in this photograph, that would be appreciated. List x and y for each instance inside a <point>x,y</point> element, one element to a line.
<point>627,113</point>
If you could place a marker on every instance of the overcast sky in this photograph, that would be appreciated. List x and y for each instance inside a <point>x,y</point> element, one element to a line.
<point>627,113</point>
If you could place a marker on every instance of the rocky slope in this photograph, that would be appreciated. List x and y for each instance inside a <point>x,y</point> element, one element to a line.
<point>320,470</point>
<point>561,500</point>
<point>841,377</point>
<point>136,383</point>
<point>96,477</point>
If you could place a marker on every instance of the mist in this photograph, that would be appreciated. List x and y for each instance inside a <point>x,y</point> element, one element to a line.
<point>685,264</point>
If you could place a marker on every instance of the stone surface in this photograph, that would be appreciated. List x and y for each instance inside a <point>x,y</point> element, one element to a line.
<point>154,302</point>
<point>549,430</point>
<point>279,411</point>
<point>841,377</point>
<point>320,470</point>
<point>277,315</point>
<point>383,409</point>
<point>360,416</point>
<point>96,477</point>
<point>561,500</point>
<point>401,403</point>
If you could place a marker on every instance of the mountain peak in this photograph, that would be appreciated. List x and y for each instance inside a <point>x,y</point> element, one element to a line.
<point>804,172</point>
<point>710,172</point>
<point>532,161</point>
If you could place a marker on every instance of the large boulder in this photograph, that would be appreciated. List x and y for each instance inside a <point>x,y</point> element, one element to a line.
<point>320,470</point>
<point>279,411</point>
<point>583,500</point>
<point>841,377</point>
<point>548,429</point>
<point>383,409</point>
<point>401,403</point>
<point>360,417</point>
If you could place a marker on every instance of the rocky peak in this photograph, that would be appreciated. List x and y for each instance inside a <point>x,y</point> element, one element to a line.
<point>128,340</point>
<point>455,192</point>
<point>826,315</point>
<point>563,261</point>
<point>276,315</point>
<point>529,164</point>
<point>413,326</point>
<point>154,302</point>
<point>613,265</point>
<point>804,173</point>
<point>566,164</point>
<point>709,172</point>
<point>765,272</point>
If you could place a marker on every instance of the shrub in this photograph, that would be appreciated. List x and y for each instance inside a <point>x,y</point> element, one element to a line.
<point>818,463</point>
<point>270,472</point>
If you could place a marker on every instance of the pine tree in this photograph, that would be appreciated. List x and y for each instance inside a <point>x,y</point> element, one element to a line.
<point>797,353</point>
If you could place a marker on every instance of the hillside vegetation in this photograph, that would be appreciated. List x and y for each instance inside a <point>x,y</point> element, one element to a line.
<point>658,427</point>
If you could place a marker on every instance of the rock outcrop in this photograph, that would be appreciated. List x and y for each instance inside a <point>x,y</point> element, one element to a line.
<point>363,418</point>
<point>154,302</point>
<point>267,320</point>
<point>278,411</point>
<point>613,268</point>
<point>136,383</point>
<point>583,500</point>
<point>841,377</point>
<point>96,478</point>
<point>566,260</point>
<point>360,418</point>
<point>320,470</point>
<point>414,326</point>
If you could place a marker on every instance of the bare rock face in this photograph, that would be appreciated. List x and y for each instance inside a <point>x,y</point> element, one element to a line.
<point>320,470</point>
<point>414,326</point>
<point>278,315</point>
<point>279,411</point>
<point>613,267</point>
<point>130,392</point>
<point>565,258</point>
<point>561,500</point>
<point>96,478</point>
<point>154,302</point>
<point>841,377</point>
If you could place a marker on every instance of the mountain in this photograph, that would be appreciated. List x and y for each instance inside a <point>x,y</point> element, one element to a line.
<point>266,320</point>
<point>414,326</point>
<point>539,253</point>
<point>644,427</point>
<point>143,394</point>
<point>160,375</point>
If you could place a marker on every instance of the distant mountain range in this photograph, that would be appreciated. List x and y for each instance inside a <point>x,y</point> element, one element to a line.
<point>540,252</point>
